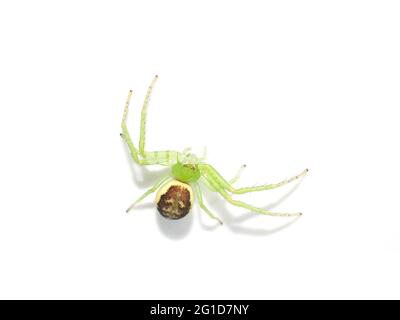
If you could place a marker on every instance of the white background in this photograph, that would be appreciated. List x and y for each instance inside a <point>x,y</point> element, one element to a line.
<point>278,85</point>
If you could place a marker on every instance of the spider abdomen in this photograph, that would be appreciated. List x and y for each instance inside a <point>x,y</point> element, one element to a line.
<point>174,200</point>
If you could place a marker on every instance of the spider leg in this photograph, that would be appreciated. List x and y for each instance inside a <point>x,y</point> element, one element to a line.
<point>199,197</point>
<point>221,190</point>
<point>208,185</point>
<point>232,181</point>
<point>270,186</point>
<point>149,191</point>
<point>209,171</point>
<point>164,158</point>
<point>143,117</point>
<point>238,174</point>
<point>145,158</point>
<point>125,134</point>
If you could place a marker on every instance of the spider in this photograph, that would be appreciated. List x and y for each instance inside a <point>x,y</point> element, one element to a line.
<point>176,191</point>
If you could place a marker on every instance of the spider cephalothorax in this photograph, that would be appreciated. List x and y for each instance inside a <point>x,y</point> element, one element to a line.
<point>175,194</point>
<point>188,173</point>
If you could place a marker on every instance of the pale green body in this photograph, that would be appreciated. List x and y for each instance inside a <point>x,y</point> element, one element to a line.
<point>187,173</point>
<point>188,168</point>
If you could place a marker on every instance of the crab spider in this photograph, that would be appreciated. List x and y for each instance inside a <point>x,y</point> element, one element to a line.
<point>176,191</point>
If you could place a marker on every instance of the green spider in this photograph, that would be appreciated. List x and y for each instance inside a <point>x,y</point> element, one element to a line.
<point>175,194</point>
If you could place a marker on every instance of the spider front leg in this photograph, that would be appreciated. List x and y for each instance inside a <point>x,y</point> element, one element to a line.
<point>165,158</point>
<point>143,117</point>
<point>199,196</point>
<point>215,175</point>
<point>141,156</point>
<point>125,133</point>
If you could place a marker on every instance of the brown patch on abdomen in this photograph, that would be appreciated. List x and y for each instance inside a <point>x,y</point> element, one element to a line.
<point>175,203</point>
